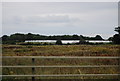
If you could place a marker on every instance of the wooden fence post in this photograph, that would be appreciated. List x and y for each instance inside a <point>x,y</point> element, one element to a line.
<point>119,64</point>
<point>33,69</point>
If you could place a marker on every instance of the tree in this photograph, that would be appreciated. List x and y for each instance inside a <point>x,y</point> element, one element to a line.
<point>110,38</point>
<point>82,41</point>
<point>29,36</point>
<point>98,37</point>
<point>59,42</point>
<point>5,38</point>
<point>117,29</point>
<point>75,37</point>
<point>18,37</point>
<point>116,37</point>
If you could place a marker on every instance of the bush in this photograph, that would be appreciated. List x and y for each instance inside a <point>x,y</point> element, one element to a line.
<point>116,39</point>
<point>58,42</point>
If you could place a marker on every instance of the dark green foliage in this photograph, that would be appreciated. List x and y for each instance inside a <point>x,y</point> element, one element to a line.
<point>117,29</point>
<point>13,39</point>
<point>18,37</point>
<point>110,38</point>
<point>5,37</point>
<point>116,37</point>
<point>75,37</point>
<point>82,41</point>
<point>58,42</point>
<point>98,37</point>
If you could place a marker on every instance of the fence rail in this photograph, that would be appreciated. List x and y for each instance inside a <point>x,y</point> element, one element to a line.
<point>60,66</point>
<point>79,57</point>
<point>62,75</point>
<point>91,66</point>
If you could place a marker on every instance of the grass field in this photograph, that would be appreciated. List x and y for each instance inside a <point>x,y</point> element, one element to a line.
<point>61,50</point>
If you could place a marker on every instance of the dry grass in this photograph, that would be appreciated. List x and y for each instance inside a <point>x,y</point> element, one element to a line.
<point>61,50</point>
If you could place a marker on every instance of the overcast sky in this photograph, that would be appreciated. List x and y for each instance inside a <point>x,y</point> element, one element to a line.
<point>58,18</point>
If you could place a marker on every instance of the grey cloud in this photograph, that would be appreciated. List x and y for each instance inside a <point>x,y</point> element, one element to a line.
<point>48,19</point>
<point>60,18</point>
<point>41,19</point>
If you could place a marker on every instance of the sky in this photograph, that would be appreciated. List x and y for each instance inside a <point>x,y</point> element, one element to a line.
<point>59,18</point>
<point>60,0</point>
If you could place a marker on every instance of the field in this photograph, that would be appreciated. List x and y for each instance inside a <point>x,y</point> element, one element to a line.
<point>62,50</point>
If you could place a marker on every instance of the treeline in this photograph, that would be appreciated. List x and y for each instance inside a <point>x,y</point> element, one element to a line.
<point>116,37</point>
<point>18,37</point>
